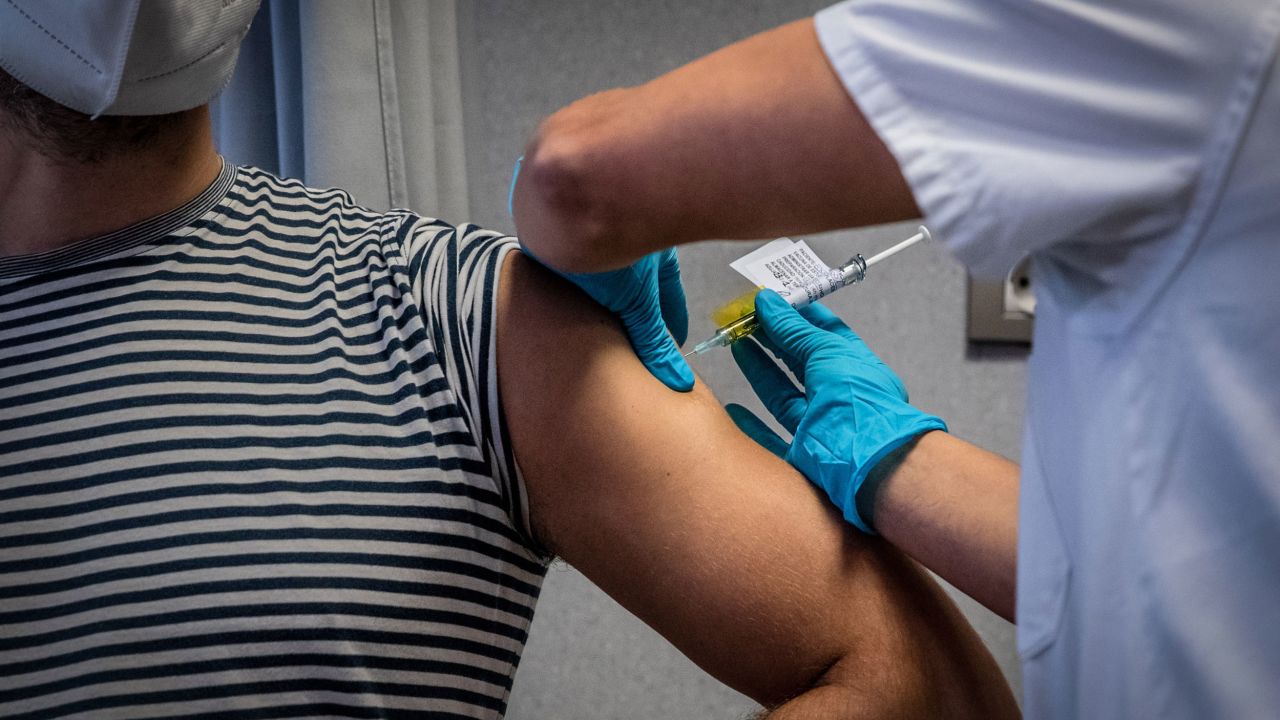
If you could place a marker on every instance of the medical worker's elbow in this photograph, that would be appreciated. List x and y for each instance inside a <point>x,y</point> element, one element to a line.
<point>562,203</point>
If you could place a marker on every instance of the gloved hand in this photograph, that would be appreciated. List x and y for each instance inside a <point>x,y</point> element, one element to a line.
<point>852,413</point>
<point>649,299</point>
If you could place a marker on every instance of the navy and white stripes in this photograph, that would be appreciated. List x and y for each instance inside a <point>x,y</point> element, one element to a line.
<point>252,465</point>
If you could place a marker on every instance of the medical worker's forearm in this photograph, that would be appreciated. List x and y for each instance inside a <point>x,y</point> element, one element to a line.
<point>756,140</point>
<point>954,508</point>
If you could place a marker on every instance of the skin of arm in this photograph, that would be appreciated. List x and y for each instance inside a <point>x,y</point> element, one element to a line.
<point>943,493</point>
<point>711,540</point>
<point>758,139</point>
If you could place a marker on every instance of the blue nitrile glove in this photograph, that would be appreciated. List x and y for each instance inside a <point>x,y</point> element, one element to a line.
<point>852,413</point>
<point>649,299</point>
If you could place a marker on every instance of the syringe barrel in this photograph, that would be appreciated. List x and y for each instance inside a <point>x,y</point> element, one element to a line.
<point>820,288</point>
<point>737,318</point>
<point>847,274</point>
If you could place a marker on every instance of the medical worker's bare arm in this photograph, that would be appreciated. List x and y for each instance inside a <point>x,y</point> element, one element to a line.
<point>954,507</point>
<point>758,139</point>
<point>724,549</point>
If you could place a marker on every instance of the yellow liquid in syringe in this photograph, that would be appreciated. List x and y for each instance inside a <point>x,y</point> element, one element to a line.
<point>735,319</point>
<point>737,310</point>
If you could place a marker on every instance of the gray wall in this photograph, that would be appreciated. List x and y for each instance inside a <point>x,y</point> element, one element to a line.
<point>587,658</point>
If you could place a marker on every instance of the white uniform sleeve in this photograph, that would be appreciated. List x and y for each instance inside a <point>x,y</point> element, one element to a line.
<point>1023,124</point>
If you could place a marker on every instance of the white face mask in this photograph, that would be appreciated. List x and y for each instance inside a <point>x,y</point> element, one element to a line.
<point>124,57</point>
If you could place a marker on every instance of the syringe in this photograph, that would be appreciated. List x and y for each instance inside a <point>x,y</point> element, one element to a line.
<point>737,318</point>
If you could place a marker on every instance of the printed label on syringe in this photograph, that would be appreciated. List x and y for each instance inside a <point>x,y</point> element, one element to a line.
<point>820,288</point>
<point>791,269</point>
<point>752,265</point>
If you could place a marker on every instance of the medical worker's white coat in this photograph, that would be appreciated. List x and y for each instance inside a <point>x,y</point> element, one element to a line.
<point>1133,148</point>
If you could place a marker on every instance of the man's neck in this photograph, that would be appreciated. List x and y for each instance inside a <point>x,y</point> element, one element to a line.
<point>46,204</point>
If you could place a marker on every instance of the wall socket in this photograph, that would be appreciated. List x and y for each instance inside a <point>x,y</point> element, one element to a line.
<point>1002,311</point>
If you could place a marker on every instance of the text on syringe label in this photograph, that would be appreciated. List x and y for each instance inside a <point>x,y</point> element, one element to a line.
<point>790,268</point>
<point>782,265</point>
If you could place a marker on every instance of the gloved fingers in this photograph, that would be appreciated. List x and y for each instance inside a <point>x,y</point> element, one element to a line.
<point>654,346</point>
<point>675,311</point>
<point>823,318</point>
<point>795,366</point>
<point>780,396</point>
<point>789,330</point>
<point>793,363</point>
<point>755,429</point>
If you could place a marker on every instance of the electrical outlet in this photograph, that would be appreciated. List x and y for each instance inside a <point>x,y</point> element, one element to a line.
<point>1002,311</point>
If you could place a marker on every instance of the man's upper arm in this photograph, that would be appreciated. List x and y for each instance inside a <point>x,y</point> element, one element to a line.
<point>717,544</point>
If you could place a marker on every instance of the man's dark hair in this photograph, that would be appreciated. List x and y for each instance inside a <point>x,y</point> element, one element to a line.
<point>65,135</point>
